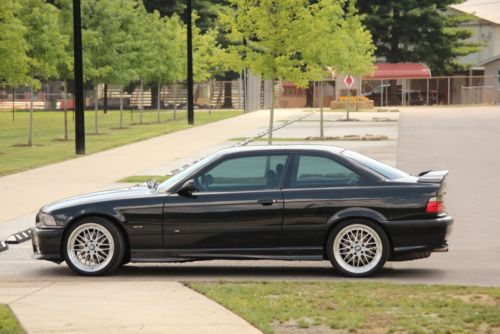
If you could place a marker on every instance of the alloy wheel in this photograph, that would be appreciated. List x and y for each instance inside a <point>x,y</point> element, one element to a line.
<point>357,248</point>
<point>90,247</point>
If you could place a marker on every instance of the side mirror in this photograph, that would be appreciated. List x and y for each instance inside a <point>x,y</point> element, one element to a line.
<point>187,188</point>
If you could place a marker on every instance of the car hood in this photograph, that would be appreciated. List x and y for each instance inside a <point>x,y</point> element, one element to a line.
<point>100,196</point>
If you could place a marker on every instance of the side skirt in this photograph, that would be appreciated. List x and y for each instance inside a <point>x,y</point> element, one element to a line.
<point>187,255</point>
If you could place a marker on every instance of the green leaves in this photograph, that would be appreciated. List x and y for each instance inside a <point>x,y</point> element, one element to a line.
<point>419,31</point>
<point>14,64</point>
<point>294,40</point>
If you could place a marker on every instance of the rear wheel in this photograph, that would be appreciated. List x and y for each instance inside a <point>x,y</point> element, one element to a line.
<point>357,248</point>
<point>93,246</point>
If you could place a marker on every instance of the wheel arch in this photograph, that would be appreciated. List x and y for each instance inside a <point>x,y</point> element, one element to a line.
<point>113,220</point>
<point>356,214</point>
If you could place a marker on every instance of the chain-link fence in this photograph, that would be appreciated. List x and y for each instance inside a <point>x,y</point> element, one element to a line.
<point>208,95</point>
<point>252,93</point>
<point>452,90</point>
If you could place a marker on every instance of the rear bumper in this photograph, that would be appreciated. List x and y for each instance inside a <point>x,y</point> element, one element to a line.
<point>47,244</point>
<point>429,235</point>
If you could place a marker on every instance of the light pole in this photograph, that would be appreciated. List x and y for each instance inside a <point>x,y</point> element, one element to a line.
<point>78,70</point>
<point>190,83</point>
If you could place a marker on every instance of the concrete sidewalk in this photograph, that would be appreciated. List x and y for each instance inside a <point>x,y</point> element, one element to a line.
<point>118,307</point>
<point>26,192</point>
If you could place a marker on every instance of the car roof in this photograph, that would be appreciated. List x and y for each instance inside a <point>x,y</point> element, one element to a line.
<point>288,148</point>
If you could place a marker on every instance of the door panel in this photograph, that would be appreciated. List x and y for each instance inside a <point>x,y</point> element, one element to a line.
<point>238,205</point>
<point>223,220</point>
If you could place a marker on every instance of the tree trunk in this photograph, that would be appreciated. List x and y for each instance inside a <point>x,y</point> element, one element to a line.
<point>154,95</point>
<point>321,131</point>
<point>141,106</point>
<point>96,107</point>
<point>309,95</point>
<point>121,108</point>
<point>14,104</point>
<point>65,108</point>
<point>30,126</point>
<point>175,101</point>
<point>158,104</point>
<point>271,115</point>
<point>228,95</point>
<point>105,106</point>
<point>240,88</point>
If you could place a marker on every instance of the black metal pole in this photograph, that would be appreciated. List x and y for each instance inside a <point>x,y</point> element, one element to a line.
<point>190,81</point>
<point>78,68</point>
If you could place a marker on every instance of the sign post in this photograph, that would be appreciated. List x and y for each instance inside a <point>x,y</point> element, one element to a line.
<point>348,82</point>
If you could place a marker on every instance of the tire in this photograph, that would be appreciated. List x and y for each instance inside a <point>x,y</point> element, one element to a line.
<point>93,246</point>
<point>357,248</point>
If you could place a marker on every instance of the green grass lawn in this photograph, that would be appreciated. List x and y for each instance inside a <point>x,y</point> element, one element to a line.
<point>358,307</point>
<point>8,323</point>
<point>143,178</point>
<point>48,132</point>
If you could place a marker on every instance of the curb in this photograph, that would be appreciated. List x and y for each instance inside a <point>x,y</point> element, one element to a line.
<point>19,237</point>
<point>3,246</point>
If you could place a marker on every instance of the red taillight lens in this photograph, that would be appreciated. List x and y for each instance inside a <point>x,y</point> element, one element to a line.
<point>435,205</point>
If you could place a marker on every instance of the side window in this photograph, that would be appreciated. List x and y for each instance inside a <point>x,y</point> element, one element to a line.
<point>320,171</point>
<point>244,173</point>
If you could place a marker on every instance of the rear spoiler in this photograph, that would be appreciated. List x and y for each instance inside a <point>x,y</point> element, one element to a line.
<point>432,176</point>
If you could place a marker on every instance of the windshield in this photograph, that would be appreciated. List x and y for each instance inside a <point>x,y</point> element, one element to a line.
<point>375,165</point>
<point>167,184</point>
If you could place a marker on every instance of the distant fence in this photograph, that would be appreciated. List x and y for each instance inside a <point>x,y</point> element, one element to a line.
<point>252,93</point>
<point>451,90</point>
<point>208,95</point>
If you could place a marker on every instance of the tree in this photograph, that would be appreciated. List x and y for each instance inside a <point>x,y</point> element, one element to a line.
<point>343,42</point>
<point>109,31</point>
<point>44,45</point>
<point>356,56</point>
<point>285,40</point>
<point>208,10</point>
<point>418,31</point>
<point>167,50</point>
<point>268,38</point>
<point>208,55</point>
<point>14,64</point>
<point>65,63</point>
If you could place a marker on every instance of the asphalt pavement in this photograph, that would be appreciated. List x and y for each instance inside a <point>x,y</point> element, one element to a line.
<point>463,140</point>
<point>148,297</point>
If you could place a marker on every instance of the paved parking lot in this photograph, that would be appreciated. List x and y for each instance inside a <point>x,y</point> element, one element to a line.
<point>463,140</point>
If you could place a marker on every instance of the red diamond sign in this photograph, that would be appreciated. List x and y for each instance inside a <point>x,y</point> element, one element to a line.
<point>348,81</point>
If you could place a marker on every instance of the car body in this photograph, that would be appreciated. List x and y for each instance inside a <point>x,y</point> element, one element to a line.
<point>290,202</point>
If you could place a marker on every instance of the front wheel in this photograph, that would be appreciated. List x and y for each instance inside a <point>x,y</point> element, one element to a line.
<point>357,248</point>
<point>93,246</point>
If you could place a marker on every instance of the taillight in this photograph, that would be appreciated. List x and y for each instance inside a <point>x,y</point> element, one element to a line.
<point>435,205</point>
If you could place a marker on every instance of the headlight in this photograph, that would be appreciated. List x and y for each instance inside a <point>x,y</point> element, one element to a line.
<point>45,220</point>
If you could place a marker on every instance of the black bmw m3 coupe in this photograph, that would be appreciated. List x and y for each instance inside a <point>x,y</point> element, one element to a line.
<point>301,202</point>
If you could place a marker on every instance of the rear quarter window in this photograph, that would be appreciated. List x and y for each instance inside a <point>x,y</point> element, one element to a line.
<point>312,171</point>
<point>385,170</point>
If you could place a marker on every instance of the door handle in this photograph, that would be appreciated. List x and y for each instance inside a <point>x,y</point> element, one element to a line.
<point>267,201</point>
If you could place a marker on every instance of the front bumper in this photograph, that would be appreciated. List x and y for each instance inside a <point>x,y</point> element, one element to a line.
<point>409,236</point>
<point>47,244</point>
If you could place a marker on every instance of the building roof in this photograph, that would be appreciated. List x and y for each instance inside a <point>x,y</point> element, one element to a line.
<point>488,10</point>
<point>489,60</point>
<point>400,71</point>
